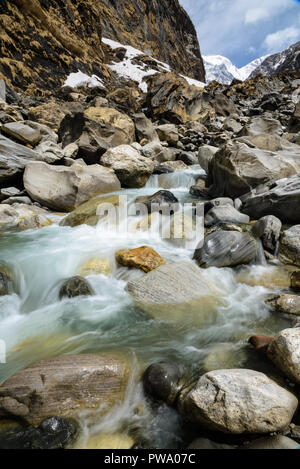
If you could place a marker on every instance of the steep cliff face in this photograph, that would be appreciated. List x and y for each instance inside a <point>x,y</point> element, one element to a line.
<point>161,28</point>
<point>42,41</point>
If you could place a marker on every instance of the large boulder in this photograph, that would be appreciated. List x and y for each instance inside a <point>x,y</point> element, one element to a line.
<point>157,152</point>
<point>160,201</point>
<point>224,214</point>
<point>285,303</point>
<point>52,112</point>
<point>64,188</point>
<point>226,249</point>
<point>289,252</point>
<point>238,401</point>
<point>168,133</point>
<point>170,97</point>
<point>22,132</point>
<point>22,217</point>
<point>95,131</point>
<point>143,258</point>
<point>237,168</point>
<point>13,159</point>
<point>89,213</point>
<point>63,386</point>
<point>144,129</point>
<point>284,352</point>
<point>132,169</point>
<point>268,229</point>
<point>280,199</point>
<point>205,155</point>
<point>261,125</point>
<point>173,289</point>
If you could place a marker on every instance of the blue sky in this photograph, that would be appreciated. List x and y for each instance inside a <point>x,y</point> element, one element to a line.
<point>244,30</point>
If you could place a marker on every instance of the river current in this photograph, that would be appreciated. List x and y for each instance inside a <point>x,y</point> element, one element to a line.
<point>36,325</point>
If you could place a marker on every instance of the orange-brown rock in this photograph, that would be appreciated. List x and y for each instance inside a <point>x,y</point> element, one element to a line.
<point>261,343</point>
<point>143,258</point>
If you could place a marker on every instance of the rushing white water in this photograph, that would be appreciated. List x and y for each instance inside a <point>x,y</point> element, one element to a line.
<point>36,325</point>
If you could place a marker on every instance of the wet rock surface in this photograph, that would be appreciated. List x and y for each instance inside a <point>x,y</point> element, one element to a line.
<point>52,433</point>
<point>226,249</point>
<point>63,386</point>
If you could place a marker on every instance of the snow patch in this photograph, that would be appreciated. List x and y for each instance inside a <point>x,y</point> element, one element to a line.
<point>137,72</point>
<point>75,80</point>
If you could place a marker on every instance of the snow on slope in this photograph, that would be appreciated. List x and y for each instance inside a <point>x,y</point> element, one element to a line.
<point>221,69</point>
<point>75,80</point>
<point>248,69</point>
<point>128,69</point>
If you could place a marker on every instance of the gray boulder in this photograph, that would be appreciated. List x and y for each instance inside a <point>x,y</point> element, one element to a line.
<point>160,201</point>
<point>262,125</point>
<point>157,152</point>
<point>226,249</point>
<point>289,252</point>
<point>205,155</point>
<point>268,229</point>
<point>284,352</point>
<point>22,132</point>
<point>237,168</point>
<point>13,159</point>
<point>168,133</point>
<point>238,401</point>
<point>64,188</point>
<point>224,214</point>
<point>281,199</point>
<point>172,289</point>
<point>132,169</point>
<point>144,129</point>
<point>285,303</point>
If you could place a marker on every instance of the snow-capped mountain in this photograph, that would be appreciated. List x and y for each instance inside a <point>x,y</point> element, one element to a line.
<point>221,69</point>
<point>286,61</point>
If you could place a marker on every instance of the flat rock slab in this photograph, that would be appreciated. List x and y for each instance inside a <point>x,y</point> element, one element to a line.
<point>177,288</point>
<point>64,385</point>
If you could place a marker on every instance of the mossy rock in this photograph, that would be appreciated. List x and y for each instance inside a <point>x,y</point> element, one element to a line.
<point>86,213</point>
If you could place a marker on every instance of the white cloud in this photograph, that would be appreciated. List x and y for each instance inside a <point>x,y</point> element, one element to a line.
<point>278,41</point>
<point>238,28</point>
<point>255,14</point>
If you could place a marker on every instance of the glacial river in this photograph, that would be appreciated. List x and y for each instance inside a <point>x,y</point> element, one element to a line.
<point>36,325</point>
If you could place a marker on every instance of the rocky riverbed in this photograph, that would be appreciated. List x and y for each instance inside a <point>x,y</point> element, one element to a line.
<point>122,336</point>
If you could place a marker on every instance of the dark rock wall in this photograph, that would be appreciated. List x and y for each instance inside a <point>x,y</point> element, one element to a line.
<point>41,41</point>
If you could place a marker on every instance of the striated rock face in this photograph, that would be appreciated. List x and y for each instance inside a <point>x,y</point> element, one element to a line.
<point>44,40</point>
<point>66,36</point>
<point>161,28</point>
